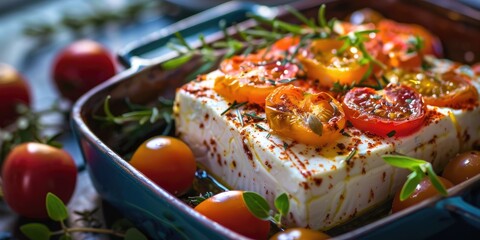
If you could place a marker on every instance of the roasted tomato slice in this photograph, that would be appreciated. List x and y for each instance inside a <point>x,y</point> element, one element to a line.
<point>314,119</point>
<point>323,62</point>
<point>253,82</point>
<point>396,110</point>
<point>275,52</point>
<point>405,44</point>
<point>443,90</point>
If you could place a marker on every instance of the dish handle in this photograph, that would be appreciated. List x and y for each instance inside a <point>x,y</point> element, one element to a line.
<point>459,207</point>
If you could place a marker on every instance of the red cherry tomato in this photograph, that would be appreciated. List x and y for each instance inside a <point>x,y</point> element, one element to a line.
<point>395,108</point>
<point>168,162</point>
<point>463,167</point>
<point>229,209</point>
<point>81,66</point>
<point>13,90</point>
<point>399,43</point>
<point>300,234</point>
<point>30,171</point>
<point>423,191</point>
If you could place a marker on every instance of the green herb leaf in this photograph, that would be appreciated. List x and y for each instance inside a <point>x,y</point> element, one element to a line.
<point>176,62</point>
<point>391,133</point>
<point>300,16</point>
<point>321,16</point>
<point>350,155</point>
<point>134,234</point>
<point>36,231</point>
<point>403,161</point>
<point>408,188</point>
<point>56,209</point>
<point>435,181</point>
<point>66,237</point>
<point>315,124</point>
<point>253,115</point>
<point>282,204</point>
<point>295,29</point>
<point>257,205</point>
<point>260,127</point>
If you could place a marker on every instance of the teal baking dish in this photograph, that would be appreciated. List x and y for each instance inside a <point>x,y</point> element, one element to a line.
<point>163,216</point>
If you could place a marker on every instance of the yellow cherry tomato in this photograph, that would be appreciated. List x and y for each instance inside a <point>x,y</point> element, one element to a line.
<point>323,61</point>
<point>314,119</point>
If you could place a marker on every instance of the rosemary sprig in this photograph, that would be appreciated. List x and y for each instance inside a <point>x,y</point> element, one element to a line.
<point>420,169</point>
<point>234,105</point>
<point>253,115</point>
<point>141,114</point>
<point>250,40</point>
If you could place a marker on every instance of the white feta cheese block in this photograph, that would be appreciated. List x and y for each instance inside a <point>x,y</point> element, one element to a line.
<point>324,185</point>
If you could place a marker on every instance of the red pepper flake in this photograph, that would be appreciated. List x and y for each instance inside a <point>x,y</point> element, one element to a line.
<point>247,151</point>
<point>269,166</point>
<point>304,185</point>
<point>372,196</point>
<point>318,181</point>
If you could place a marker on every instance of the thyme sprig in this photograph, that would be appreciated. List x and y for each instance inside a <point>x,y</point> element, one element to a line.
<point>195,200</point>
<point>32,126</point>
<point>57,211</point>
<point>420,169</point>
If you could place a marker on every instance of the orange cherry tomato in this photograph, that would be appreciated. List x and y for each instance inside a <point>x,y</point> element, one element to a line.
<point>443,90</point>
<point>396,109</point>
<point>167,161</point>
<point>400,42</point>
<point>463,167</point>
<point>322,61</point>
<point>300,234</point>
<point>253,82</point>
<point>423,191</point>
<point>314,119</point>
<point>229,209</point>
<point>13,90</point>
<point>280,48</point>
